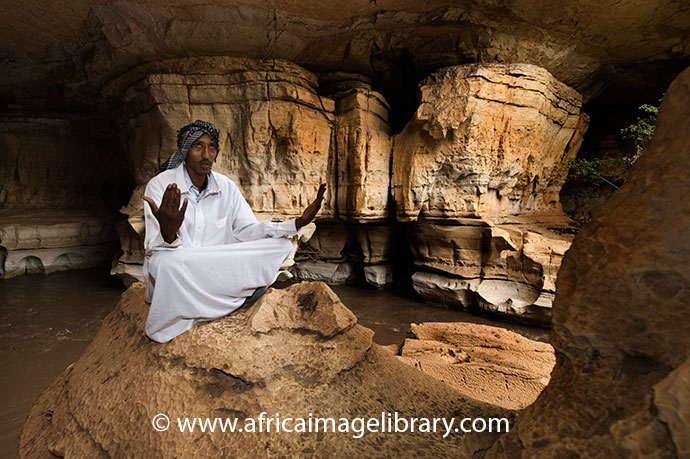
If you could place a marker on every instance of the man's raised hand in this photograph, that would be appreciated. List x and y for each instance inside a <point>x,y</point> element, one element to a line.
<point>312,209</point>
<point>169,214</point>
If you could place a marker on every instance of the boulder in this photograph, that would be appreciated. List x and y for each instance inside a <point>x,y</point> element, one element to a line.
<point>297,352</point>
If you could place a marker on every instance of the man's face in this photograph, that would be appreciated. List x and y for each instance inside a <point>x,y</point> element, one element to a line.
<point>201,156</point>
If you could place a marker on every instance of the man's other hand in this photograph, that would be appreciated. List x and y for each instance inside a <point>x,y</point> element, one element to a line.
<point>311,210</point>
<point>169,214</point>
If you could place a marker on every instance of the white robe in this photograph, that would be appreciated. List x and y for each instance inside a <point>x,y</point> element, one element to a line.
<point>221,255</point>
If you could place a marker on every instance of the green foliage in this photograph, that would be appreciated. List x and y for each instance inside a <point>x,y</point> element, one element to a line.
<point>597,170</point>
<point>614,171</point>
<point>643,128</point>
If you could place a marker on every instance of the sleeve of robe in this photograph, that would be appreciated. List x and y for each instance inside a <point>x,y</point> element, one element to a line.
<point>154,238</point>
<point>245,226</point>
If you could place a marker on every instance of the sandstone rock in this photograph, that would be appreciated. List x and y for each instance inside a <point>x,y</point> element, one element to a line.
<point>486,363</point>
<point>672,400</point>
<point>275,129</point>
<point>375,242</point>
<point>587,45</point>
<point>378,276</point>
<point>295,352</point>
<point>507,268</point>
<point>328,242</point>
<point>363,149</point>
<point>279,138</point>
<point>470,150</point>
<point>445,290</point>
<point>49,240</point>
<point>50,160</point>
<point>484,202</point>
<point>324,271</point>
<point>54,191</point>
<point>621,339</point>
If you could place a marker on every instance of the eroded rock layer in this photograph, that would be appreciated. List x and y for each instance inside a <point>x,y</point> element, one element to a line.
<point>65,55</point>
<point>296,351</point>
<point>486,140</point>
<point>280,140</point>
<point>479,169</point>
<point>58,174</point>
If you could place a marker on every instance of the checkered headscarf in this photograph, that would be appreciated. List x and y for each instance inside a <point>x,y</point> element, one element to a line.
<point>186,138</point>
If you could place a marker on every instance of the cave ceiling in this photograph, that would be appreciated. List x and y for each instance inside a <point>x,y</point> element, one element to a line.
<point>59,54</point>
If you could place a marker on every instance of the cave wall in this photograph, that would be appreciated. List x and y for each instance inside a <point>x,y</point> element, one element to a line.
<point>61,180</point>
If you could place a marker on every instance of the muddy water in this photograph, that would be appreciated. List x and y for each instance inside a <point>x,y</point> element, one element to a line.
<point>45,324</point>
<point>47,321</point>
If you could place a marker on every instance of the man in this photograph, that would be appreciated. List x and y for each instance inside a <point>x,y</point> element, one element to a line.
<point>204,259</point>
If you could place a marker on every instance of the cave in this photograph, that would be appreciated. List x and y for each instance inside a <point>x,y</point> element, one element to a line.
<point>443,131</point>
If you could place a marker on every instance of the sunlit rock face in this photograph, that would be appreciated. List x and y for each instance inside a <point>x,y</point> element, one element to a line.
<point>298,352</point>
<point>619,388</point>
<point>58,173</point>
<point>275,129</point>
<point>486,140</point>
<point>479,169</point>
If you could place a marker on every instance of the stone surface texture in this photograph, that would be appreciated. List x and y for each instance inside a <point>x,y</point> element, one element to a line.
<point>475,173</point>
<point>486,363</point>
<point>478,170</point>
<point>296,351</point>
<point>486,140</point>
<point>58,173</point>
<point>586,44</point>
<point>622,343</point>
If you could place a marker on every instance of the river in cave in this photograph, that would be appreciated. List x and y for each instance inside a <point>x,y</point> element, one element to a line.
<point>47,321</point>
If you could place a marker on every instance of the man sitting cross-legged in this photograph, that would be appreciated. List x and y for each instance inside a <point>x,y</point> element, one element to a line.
<point>205,258</point>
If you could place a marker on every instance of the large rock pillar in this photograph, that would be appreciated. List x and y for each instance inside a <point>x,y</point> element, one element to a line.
<point>478,169</point>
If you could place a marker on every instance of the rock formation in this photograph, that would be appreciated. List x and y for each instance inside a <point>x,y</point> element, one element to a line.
<point>486,363</point>
<point>280,140</point>
<point>619,388</point>
<point>296,352</point>
<point>58,173</point>
<point>479,169</point>
<point>63,56</point>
